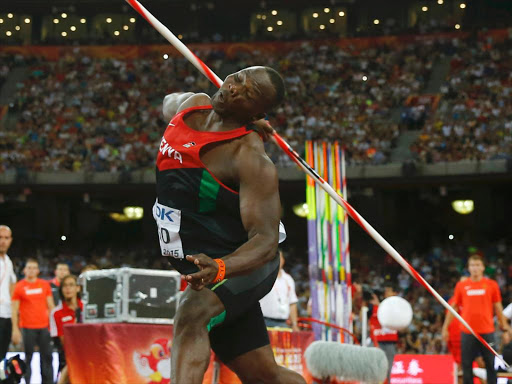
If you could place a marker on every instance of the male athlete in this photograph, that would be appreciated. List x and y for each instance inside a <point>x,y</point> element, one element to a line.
<point>217,213</point>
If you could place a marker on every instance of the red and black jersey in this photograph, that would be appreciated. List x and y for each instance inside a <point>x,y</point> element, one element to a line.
<point>195,212</point>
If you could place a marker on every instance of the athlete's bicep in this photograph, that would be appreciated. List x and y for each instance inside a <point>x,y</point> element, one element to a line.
<point>260,207</point>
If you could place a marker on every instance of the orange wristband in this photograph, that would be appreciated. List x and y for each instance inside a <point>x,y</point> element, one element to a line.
<point>221,273</point>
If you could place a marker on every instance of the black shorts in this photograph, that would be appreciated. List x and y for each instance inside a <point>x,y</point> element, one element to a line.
<point>241,327</point>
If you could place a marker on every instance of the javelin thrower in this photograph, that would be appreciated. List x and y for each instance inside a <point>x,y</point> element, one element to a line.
<point>217,213</point>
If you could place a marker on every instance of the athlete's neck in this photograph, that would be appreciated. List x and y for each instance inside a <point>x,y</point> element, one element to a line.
<point>31,279</point>
<point>2,255</point>
<point>223,123</point>
<point>476,278</point>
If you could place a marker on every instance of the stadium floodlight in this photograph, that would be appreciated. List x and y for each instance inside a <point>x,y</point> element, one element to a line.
<point>134,213</point>
<point>17,27</point>
<point>64,15</point>
<point>125,27</point>
<point>274,12</point>
<point>327,10</point>
<point>365,78</point>
<point>462,5</point>
<point>27,21</point>
<point>264,17</point>
<point>315,15</point>
<point>463,207</point>
<point>63,238</point>
<point>82,20</point>
<point>64,34</point>
<point>165,56</point>
<point>116,33</point>
<point>301,210</point>
<point>55,21</point>
<point>450,237</point>
<point>332,21</point>
<point>10,15</point>
<point>376,21</point>
<point>72,28</point>
<point>322,26</point>
<point>440,2</point>
<point>424,8</point>
<point>457,26</point>
<point>341,13</point>
<point>8,33</point>
<point>279,22</point>
<point>132,20</point>
<point>108,20</point>
<point>270,29</point>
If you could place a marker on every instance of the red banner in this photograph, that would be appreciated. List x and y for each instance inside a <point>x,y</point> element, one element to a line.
<point>423,369</point>
<point>120,353</point>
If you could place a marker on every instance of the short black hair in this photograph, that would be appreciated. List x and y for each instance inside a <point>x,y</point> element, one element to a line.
<point>278,83</point>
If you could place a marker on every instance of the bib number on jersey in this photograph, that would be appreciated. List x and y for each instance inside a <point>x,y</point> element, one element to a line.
<point>168,221</point>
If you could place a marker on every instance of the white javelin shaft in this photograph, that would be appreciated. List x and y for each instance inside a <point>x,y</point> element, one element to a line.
<point>185,51</point>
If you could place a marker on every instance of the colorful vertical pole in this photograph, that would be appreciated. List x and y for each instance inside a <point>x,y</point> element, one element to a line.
<point>327,242</point>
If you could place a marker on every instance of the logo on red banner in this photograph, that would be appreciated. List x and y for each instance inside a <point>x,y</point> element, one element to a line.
<point>423,369</point>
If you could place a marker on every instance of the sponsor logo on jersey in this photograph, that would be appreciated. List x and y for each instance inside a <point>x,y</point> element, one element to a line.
<point>34,291</point>
<point>67,318</point>
<point>476,292</point>
<point>167,149</point>
<point>188,145</point>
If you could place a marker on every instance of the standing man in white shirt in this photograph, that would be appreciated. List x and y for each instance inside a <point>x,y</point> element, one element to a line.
<point>7,281</point>
<point>280,304</point>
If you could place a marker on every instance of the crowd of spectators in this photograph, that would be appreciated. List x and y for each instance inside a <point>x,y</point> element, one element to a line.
<point>474,118</point>
<point>104,115</point>
<point>81,113</point>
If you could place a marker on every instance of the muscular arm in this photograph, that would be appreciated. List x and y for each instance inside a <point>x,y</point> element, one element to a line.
<point>260,209</point>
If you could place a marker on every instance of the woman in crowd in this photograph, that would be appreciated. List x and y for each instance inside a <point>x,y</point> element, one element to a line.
<point>69,311</point>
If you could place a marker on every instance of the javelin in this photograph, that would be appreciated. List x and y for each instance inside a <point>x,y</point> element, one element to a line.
<point>205,70</point>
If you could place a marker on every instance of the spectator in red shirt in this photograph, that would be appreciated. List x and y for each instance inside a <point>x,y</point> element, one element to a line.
<point>61,271</point>
<point>32,298</point>
<point>68,311</point>
<point>478,299</point>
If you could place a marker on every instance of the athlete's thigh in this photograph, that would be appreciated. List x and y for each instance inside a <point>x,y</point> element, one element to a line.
<point>236,338</point>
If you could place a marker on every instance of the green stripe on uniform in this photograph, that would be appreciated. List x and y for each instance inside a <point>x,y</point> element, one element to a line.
<point>216,320</point>
<point>208,191</point>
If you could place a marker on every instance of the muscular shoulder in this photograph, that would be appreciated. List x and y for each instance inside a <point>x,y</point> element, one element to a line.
<point>252,160</point>
<point>196,100</point>
<point>177,102</point>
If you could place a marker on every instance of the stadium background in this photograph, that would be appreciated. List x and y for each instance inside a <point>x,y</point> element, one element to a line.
<point>63,210</point>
